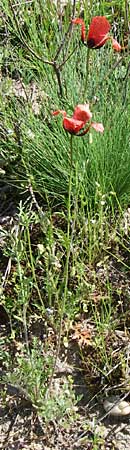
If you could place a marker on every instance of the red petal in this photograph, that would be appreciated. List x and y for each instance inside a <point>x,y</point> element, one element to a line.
<point>98,30</point>
<point>78,21</point>
<point>59,111</point>
<point>83,28</point>
<point>82,112</point>
<point>97,126</point>
<point>73,126</point>
<point>116,45</point>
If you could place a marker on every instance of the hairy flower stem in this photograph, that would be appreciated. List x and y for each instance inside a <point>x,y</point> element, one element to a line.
<point>66,272</point>
<point>68,245</point>
<point>87,74</point>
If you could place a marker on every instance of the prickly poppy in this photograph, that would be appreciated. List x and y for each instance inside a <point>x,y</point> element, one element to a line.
<point>76,124</point>
<point>97,34</point>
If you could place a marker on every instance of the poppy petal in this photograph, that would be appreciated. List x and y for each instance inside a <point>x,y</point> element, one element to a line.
<point>59,111</point>
<point>83,28</point>
<point>82,112</point>
<point>72,125</point>
<point>98,30</point>
<point>116,45</point>
<point>97,126</point>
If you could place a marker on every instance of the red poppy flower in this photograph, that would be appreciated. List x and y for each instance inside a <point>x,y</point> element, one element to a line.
<point>98,33</point>
<point>80,117</point>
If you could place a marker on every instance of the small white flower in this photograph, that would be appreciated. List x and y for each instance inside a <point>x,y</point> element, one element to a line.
<point>40,248</point>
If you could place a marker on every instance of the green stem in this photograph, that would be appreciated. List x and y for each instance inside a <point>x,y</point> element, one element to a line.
<point>126,15</point>
<point>66,272</point>
<point>68,243</point>
<point>87,73</point>
<point>33,269</point>
<point>36,284</point>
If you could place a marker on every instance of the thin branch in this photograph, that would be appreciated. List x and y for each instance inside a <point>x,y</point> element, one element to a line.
<point>127,72</point>
<point>6,274</point>
<point>22,3</point>
<point>67,32</point>
<point>63,41</point>
<point>23,41</point>
<point>57,72</point>
<point>69,56</point>
<point>70,34</point>
<point>125,85</point>
<point>113,68</point>
<point>40,212</point>
<point>116,403</point>
<point>73,9</point>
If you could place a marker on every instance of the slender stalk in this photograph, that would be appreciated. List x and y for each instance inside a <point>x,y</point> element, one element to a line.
<point>68,57</point>
<point>126,78</point>
<point>68,246</point>
<point>25,307</point>
<point>87,73</point>
<point>36,284</point>
<point>67,32</point>
<point>62,42</point>
<point>33,269</point>
<point>66,273</point>
<point>126,15</point>
<point>57,72</point>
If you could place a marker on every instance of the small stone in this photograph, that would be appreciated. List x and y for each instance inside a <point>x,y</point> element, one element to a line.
<point>116,407</point>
